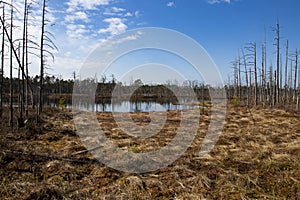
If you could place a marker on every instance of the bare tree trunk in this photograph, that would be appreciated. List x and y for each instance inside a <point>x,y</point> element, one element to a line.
<point>277,60</point>
<point>286,71</point>
<point>240,79</point>
<point>295,76</point>
<point>235,78</point>
<point>23,59</point>
<point>280,81</point>
<point>250,86</point>
<point>275,88</point>
<point>2,63</point>
<point>11,112</point>
<point>40,107</point>
<point>263,74</point>
<point>265,68</point>
<point>271,86</point>
<point>291,82</point>
<point>26,68</point>
<point>19,86</point>
<point>255,77</point>
<point>246,77</point>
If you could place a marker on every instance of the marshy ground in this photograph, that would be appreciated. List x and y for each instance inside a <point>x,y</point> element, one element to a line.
<point>256,157</point>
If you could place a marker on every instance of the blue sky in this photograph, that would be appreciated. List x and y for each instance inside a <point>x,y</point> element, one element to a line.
<point>220,26</point>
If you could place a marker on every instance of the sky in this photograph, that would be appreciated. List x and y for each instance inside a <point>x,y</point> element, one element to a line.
<point>221,27</point>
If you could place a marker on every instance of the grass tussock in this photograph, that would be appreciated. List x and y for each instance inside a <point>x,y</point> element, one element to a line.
<point>256,157</point>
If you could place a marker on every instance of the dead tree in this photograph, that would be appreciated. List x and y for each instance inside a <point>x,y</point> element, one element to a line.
<point>13,53</point>
<point>11,112</point>
<point>235,75</point>
<point>291,81</point>
<point>271,87</point>
<point>286,71</point>
<point>255,75</point>
<point>253,54</point>
<point>2,62</point>
<point>240,78</point>
<point>246,77</point>
<point>42,68</point>
<point>26,60</point>
<point>280,80</point>
<point>295,76</point>
<point>23,60</point>
<point>277,40</point>
<point>263,75</point>
<point>45,42</point>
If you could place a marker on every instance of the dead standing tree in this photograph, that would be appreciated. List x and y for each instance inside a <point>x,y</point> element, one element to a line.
<point>2,62</point>
<point>252,56</point>
<point>246,77</point>
<point>13,53</point>
<point>40,104</point>
<point>277,77</point>
<point>46,41</point>
<point>286,72</point>
<point>295,75</point>
<point>11,112</point>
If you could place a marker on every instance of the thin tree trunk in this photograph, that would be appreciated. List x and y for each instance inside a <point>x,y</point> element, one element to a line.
<point>286,71</point>
<point>240,79</point>
<point>26,59</point>
<point>271,86</point>
<point>291,82</point>
<point>2,63</point>
<point>277,60</point>
<point>250,86</point>
<point>280,81</point>
<point>11,112</point>
<point>23,57</point>
<point>246,77</point>
<point>265,68</point>
<point>255,77</point>
<point>40,107</point>
<point>263,89</point>
<point>19,87</point>
<point>295,77</point>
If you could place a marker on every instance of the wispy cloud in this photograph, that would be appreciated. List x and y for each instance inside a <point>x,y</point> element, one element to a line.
<point>74,5</point>
<point>219,1</point>
<point>171,4</point>
<point>116,26</point>
<point>77,16</point>
<point>77,31</point>
<point>116,11</point>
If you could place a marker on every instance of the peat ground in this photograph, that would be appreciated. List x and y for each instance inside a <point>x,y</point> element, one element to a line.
<point>256,157</point>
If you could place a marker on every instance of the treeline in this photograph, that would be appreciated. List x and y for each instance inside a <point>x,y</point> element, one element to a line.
<point>259,83</point>
<point>56,88</point>
<point>19,47</point>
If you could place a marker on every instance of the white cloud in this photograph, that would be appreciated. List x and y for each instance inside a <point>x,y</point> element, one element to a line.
<point>77,31</point>
<point>115,9</point>
<point>117,12</point>
<point>77,16</point>
<point>171,4</point>
<point>85,4</point>
<point>219,1</point>
<point>116,26</point>
<point>128,14</point>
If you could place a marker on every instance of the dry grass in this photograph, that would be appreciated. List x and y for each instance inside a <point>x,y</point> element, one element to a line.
<point>256,157</point>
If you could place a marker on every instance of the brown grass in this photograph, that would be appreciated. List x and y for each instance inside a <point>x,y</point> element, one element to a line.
<point>256,157</point>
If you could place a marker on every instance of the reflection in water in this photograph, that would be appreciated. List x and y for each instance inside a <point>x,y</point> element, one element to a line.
<point>127,106</point>
<point>130,106</point>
